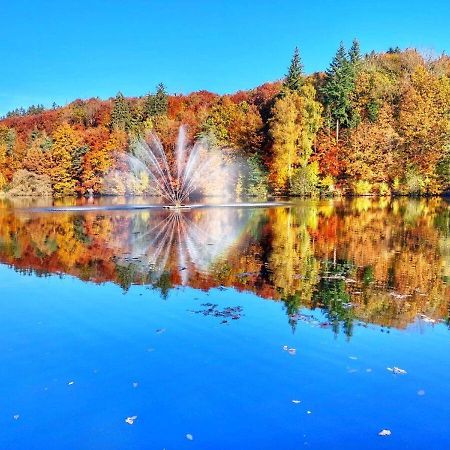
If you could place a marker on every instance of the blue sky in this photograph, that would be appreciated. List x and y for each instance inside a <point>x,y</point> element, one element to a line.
<point>63,50</point>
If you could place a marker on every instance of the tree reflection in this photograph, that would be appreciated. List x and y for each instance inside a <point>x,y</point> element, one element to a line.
<point>382,262</point>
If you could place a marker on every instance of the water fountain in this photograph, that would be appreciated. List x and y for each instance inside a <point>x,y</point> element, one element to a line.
<point>200,168</point>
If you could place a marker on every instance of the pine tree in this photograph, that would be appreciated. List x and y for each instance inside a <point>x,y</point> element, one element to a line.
<point>294,78</point>
<point>354,53</point>
<point>338,86</point>
<point>156,104</point>
<point>121,113</point>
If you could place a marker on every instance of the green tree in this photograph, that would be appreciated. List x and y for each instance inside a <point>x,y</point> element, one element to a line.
<point>337,90</point>
<point>294,78</point>
<point>156,104</point>
<point>354,53</point>
<point>121,117</point>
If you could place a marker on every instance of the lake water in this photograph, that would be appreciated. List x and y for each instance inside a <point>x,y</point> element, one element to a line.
<point>226,328</point>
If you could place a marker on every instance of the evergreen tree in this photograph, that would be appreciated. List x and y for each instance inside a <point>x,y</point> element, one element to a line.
<point>337,89</point>
<point>354,53</point>
<point>294,78</point>
<point>121,113</point>
<point>156,104</point>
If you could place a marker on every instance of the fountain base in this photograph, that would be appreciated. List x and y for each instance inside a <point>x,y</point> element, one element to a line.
<point>177,206</point>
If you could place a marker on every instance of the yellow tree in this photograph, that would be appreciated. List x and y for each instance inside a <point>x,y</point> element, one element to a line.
<point>66,142</point>
<point>295,121</point>
<point>424,123</point>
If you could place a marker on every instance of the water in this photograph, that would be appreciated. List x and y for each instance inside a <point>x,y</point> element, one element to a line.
<point>107,315</point>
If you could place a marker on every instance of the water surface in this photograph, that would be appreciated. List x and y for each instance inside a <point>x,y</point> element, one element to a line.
<point>210,323</point>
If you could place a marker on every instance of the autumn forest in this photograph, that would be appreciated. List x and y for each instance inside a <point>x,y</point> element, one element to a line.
<point>373,124</point>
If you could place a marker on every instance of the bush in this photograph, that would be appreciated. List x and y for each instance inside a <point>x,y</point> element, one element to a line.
<point>305,180</point>
<point>327,185</point>
<point>362,187</point>
<point>414,183</point>
<point>383,189</point>
<point>3,182</point>
<point>30,184</point>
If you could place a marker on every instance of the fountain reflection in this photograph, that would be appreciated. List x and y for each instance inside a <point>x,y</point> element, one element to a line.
<point>181,242</point>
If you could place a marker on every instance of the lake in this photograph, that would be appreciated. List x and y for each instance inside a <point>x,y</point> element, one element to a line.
<point>314,325</point>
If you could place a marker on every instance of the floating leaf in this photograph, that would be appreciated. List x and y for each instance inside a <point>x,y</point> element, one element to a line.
<point>130,420</point>
<point>384,432</point>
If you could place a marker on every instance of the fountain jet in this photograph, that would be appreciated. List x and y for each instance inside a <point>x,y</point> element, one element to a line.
<point>200,168</point>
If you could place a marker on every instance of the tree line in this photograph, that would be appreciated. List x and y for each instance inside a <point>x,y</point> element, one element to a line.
<point>377,123</point>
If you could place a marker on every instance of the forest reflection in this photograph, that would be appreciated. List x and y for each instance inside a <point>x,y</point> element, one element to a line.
<point>362,261</point>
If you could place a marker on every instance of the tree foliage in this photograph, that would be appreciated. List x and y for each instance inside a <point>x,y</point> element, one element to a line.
<point>379,121</point>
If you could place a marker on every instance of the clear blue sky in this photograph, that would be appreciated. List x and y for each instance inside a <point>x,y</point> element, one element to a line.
<point>62,50</point>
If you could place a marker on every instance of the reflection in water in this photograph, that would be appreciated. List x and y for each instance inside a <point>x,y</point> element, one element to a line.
<point>383,262</point>
<point>182,241</point>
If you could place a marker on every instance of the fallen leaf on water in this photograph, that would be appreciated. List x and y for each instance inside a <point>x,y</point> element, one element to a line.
<point>397,370</point>
<point>130,420</point>
<point>189,437</point>
<point>384,433</point>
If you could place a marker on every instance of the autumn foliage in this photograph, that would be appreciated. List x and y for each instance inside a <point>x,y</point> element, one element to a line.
<point>372,124</point>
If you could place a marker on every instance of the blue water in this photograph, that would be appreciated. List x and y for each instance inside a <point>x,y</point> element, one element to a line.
<point>230,385</point>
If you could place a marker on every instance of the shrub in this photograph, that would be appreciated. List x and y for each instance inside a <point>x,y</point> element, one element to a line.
<point>362,187</point>
<point>30,184</point>
<point>327,185</point>
<point>3,182</point>
<point>414,183</point>
<point>305,180</point>
<point>383,189</point>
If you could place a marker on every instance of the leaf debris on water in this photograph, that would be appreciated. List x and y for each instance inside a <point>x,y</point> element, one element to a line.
<point>130,420</point>
<point>397,370</point>
<point>384,432</point>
